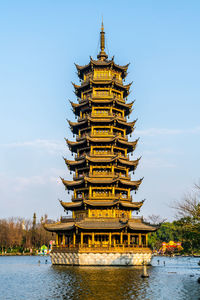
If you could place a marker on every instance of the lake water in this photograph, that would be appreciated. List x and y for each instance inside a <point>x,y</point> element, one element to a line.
<point>23,278</point>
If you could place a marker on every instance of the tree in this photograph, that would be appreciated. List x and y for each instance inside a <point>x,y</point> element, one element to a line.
<point>188,219</point>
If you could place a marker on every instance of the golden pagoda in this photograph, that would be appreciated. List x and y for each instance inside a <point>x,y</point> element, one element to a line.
<point>102,230</point>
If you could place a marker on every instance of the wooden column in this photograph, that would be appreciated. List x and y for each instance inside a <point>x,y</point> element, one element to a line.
<point>56,239</point>
<point>129,238</point>
<point>121,238</point>
<point>74,239</point>
<point>110,239</point>
<point>113,188</point>
<point>92,238</point>
<point>63,239</point>
<point>147,240</point>
<point>140,239</point>
<point>90,191</point>
<point>81,239</point>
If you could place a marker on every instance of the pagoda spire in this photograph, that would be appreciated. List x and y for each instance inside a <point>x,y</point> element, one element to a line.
<point>102,54</point>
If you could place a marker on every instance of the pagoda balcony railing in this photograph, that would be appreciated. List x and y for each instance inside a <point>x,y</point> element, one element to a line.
<point>100,174</point>
<point>101,153</point>
<point>106,95</point>
<point>102,115</point>
<point>102,95</point>
<point>104,174</point>
<point>108,133</point>
<point>107,115</point>
<point>90,96</point>
<point>100,197</point>
<point>101,247</point>
<point>101,78</point>
<point>97,197</point>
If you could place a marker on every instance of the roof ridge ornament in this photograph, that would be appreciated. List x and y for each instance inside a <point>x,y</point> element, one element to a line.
<point>102,54</point>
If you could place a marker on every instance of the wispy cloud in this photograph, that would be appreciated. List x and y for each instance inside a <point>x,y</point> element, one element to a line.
<point>165,131</point>
<point>51,146</point>
<point>20,183</point>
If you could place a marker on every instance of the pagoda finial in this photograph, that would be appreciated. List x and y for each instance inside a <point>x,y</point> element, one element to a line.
<point>102,26</point>
<point>102,55</point>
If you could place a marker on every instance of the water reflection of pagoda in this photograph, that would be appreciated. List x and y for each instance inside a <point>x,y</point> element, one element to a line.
<point>102,230</point>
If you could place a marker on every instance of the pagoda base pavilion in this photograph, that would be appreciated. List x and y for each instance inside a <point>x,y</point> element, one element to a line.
<point>107,241</point>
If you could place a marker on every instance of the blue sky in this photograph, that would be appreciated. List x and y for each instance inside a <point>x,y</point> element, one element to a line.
<point>41,40</point>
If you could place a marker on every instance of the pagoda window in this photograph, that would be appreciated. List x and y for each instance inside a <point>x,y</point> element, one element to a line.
<point>101,93</point>
<point>101,171</point>
<point>102,150</point>
<point>98,193</point>
<point>103,130</point>
<point>103,74</point>
<point>101,112</point>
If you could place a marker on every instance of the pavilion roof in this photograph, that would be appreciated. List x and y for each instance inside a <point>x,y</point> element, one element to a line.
<point>102,203</point>
<point>77,106</point>
<point>74,163</point>
<point>87,85</point>
<point>101,63</point>
<point>59,226</point>
<point>134,185</point>
<point>106,119</point>
<point>101,224</point>
<point>75,144</point>
<point>141,226</point>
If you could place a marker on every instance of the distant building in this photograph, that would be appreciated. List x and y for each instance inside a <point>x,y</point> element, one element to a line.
<point>102,230</point>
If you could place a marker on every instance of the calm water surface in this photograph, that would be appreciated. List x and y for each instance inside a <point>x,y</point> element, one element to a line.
<point>22,278</point>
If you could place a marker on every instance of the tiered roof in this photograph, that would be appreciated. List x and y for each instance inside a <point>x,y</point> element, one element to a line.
<point>137,225</point>
<point>102,144</point>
